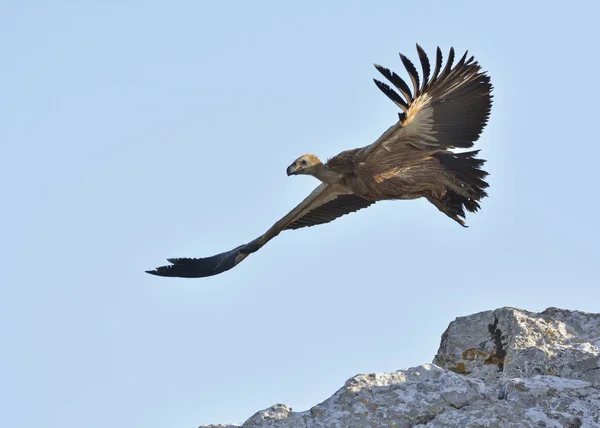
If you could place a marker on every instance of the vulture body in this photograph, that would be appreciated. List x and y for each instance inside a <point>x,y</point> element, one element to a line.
<point>414,158</point>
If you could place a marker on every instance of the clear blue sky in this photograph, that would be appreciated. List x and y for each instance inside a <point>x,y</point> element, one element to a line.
<point>135,131</point>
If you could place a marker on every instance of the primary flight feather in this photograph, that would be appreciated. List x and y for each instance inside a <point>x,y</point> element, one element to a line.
<point>412,159</point>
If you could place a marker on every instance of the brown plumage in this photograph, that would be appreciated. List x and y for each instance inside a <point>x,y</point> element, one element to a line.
<point>412,159</point>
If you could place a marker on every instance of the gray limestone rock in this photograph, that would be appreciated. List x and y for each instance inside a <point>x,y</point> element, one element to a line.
<point>503,368</point>
<point>511,343</point>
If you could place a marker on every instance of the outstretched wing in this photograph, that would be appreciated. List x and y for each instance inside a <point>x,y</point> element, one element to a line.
<point>324,204</point>
<point>446,112</point>
<point>341,205</point>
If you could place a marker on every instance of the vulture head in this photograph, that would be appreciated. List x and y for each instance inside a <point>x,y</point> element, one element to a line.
<point>305,164</point>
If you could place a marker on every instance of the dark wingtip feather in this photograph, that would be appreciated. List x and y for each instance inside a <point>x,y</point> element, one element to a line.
<point>396,80</point>
<point>207,266</point>
<point>193,268</point>
<point>391,94</point>
<point>425,65</point>
<point>162,271</point>
<point>439,58</point>
<point>449,63</point>
<point>412,72</point>
<point>461,61</point>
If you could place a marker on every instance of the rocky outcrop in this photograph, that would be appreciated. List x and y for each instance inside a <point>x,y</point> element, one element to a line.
<point>502,368</point>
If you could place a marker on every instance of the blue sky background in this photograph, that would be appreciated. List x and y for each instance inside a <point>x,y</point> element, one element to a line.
<point>135,131</point>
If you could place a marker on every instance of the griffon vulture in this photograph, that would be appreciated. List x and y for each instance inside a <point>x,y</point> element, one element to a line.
<point>447,110</point>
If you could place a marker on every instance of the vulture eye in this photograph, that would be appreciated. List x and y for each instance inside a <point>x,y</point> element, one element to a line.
<point>303,162</point>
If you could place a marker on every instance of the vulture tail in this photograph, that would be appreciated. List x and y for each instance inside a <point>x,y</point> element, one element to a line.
<point>471,179</point>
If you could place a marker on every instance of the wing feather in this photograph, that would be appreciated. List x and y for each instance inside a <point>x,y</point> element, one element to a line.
<point>392,95</point>
<point>438,65</point>
<point>324,204</point>
<point>448,66</point>
<point>425,66</point>
<point>395,80</point>
<point>412,72</point>
<point>342,204</point>
<point>450,111</point>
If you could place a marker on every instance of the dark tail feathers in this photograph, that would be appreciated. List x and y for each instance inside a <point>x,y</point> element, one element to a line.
<point>467,170</point>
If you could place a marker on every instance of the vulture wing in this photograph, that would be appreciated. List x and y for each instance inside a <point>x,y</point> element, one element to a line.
<point>449,111</point>
<point>324,204</point>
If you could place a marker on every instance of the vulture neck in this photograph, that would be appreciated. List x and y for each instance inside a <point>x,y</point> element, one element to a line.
<point>324,174</point>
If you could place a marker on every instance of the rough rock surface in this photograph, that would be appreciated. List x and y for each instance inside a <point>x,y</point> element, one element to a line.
<point>503,368</point>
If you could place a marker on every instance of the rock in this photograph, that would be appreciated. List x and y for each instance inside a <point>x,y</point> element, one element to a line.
<point>510,343</point>
<point>223,426</point>
<point>503,368</point>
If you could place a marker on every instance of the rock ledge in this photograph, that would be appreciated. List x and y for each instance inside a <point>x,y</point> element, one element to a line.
<point>502,368</point>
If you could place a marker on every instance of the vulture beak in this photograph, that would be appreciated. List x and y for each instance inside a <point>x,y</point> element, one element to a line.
<point>291,169</point>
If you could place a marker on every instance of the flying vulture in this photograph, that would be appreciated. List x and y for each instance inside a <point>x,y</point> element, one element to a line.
<point>447,110</point>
